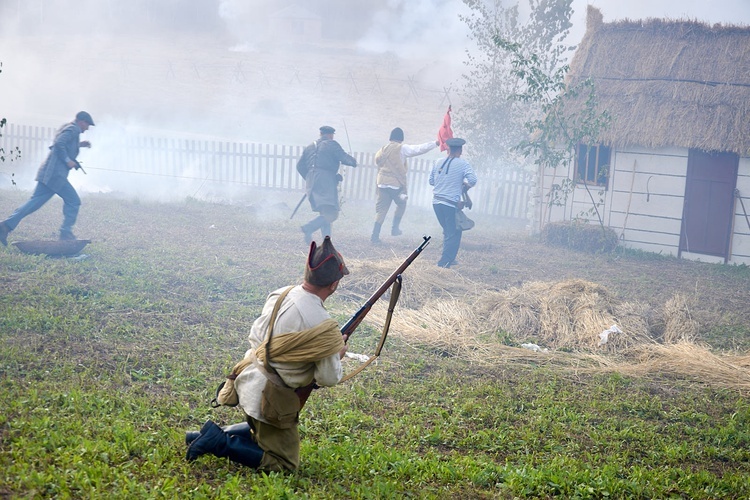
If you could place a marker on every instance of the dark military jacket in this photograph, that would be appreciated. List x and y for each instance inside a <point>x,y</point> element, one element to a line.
<point>54,170</point>
<point>319,164</point>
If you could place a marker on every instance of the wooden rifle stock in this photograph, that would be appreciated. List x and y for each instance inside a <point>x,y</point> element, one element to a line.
<point>348,329</point>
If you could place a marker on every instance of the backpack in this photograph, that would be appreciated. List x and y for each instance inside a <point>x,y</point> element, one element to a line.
<point>304,167</point>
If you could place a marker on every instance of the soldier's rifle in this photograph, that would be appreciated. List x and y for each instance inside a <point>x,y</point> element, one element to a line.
<point>394,282</point>
<point>79,166</point>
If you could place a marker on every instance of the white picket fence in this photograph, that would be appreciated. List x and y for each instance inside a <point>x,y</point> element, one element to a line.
<point>503,193</point>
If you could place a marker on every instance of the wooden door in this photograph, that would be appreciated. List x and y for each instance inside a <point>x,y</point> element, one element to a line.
<point>709,203</point>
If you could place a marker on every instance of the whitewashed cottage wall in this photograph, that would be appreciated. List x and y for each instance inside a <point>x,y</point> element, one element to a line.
<point>741,230</point>
<point>644,202</point>
<point>647,189</point>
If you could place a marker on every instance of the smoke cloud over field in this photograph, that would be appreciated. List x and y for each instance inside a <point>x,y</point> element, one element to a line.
<point>418,29</point>
<point>264,71</point>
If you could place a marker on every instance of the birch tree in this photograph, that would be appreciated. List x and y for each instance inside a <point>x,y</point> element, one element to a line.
<point>490,117</point>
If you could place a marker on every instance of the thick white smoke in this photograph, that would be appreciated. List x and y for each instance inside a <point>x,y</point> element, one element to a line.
<point>168,69</point>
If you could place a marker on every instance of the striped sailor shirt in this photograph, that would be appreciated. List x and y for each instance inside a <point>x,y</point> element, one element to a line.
<point>448,176</point>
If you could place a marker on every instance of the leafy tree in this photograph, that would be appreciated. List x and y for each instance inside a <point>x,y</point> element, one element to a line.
<point>490,117</point>
<point>568,115</point>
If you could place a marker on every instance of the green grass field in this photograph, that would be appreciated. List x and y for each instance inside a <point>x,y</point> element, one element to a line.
<point>106,360</point>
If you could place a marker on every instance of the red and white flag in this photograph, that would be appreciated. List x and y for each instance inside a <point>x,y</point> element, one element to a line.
<point>445,131</point>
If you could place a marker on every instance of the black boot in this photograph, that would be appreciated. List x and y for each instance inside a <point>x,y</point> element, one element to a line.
<point>242,429</point>
<point>67,235</point>
<point>395,231</point>
<point>243,450</point>
<point>237,448</point>
<point>191,436</point>
<point>375,238</point>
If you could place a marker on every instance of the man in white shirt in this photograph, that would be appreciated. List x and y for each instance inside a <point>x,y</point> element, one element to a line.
<point>391,180</point>
<point>305,346</point>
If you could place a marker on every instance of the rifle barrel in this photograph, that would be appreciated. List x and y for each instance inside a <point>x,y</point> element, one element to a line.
<point>355,320</point>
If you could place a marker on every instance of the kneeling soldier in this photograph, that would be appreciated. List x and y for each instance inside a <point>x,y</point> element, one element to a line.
<point>293,344</point>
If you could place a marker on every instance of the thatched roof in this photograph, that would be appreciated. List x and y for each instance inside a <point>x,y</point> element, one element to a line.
<point>669,83</point>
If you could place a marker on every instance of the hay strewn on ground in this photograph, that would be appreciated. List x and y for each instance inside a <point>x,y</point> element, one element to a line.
<point>679,326</point>
<point>566,315</point>
<point>565,319</point>
<point>687,360</point>
<point>423,282</point>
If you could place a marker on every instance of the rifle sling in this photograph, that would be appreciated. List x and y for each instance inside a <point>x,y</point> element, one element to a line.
<point>395,292</point>
<point>270,369</point>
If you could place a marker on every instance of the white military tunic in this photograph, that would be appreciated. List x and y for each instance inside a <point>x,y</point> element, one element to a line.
<point>301,310</point>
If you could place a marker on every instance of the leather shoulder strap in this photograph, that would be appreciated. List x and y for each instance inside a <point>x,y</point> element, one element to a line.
<point>271,324</point>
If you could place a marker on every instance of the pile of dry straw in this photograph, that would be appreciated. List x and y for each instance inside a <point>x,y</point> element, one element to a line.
<point>442,311</point>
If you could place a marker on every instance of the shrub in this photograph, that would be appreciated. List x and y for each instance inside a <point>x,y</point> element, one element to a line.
<point>578,235</point>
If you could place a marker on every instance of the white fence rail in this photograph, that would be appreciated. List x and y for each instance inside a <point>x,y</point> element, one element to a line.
<point>502,193</point>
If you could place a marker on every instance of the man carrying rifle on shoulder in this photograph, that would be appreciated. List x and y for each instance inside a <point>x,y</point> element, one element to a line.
<point>293,344</point>
<point>319,165</point>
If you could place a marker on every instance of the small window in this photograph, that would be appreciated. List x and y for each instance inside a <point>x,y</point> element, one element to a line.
<point>593,164</point>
